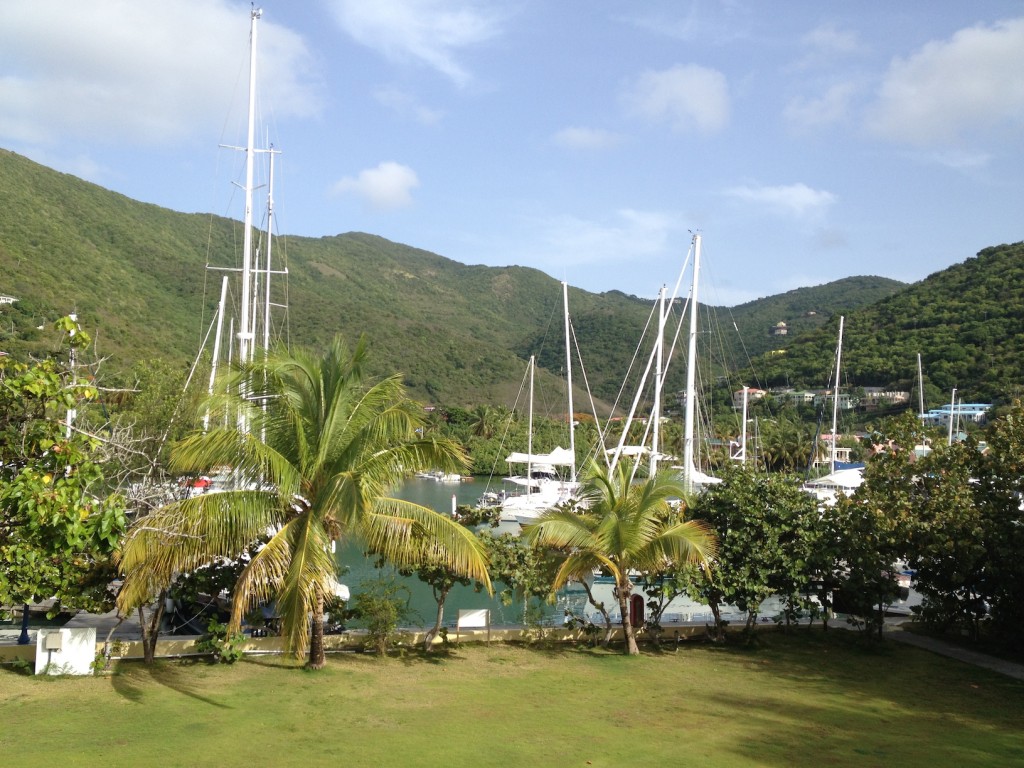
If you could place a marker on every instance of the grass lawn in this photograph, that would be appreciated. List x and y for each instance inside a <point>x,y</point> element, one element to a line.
<point>803,699</point>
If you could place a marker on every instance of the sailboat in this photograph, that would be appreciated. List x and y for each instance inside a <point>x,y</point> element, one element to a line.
<point>840,479</point>
<point>252,327</point>
<point>693,478</point>
<point>550,478</point>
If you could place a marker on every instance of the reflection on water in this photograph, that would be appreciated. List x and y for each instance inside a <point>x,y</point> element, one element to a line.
<point>355,567</point>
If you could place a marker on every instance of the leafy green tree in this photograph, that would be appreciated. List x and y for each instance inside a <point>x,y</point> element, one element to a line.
<point>764,528</point>
<point>59,524</point>
<point>875,526</point>
<point>661,588</point>
<point>440,576</point>
<point>999,490</point>
<point>314,450</point>
<point>948,541</point>
<point>620,528</point>
<point>381,604</point>
<point>525,571</point>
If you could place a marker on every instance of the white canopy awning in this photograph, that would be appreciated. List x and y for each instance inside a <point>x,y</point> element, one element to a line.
<point>560,457</point>
<point>846,479</point>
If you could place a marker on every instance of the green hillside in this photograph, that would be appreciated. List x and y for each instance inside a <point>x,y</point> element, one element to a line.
<point>806,309</point>
<point>967,322</point>
<point>136,274</point>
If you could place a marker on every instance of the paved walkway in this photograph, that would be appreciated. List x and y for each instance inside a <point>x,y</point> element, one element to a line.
<point>1002,666</point>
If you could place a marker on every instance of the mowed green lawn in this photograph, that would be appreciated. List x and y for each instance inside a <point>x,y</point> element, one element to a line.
<point>803,699</point>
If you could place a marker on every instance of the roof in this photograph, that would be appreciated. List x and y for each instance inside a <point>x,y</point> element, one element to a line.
<point>560,457</point>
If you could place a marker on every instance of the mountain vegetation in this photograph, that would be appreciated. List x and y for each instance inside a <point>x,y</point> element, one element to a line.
<point>460,334</point>
<point>966,322</point>
<point>804,310</point>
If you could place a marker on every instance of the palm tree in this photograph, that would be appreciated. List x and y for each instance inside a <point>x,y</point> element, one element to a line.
<point>621,528</point>
<point>313,459</point>
<point>484,420</point>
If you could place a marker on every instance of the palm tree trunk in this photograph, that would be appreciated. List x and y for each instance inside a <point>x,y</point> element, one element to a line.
<point>622,592</point>
<point>428,639</point>
<point>317,660</point>
<point>151,630</point>
<point>148,642</point>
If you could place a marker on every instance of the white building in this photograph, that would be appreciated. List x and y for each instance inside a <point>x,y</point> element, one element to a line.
<point>975,413</point>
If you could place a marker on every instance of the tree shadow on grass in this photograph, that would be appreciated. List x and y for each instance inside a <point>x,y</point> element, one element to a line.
<point>858,725</point>
<point>273,661</point>
<point>131,678</point>
<point>416,656</point>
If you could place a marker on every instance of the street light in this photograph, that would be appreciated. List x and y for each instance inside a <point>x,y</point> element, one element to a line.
<point>23,637</point>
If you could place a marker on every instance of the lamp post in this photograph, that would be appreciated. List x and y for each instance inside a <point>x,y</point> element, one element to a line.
<point>23,637</point>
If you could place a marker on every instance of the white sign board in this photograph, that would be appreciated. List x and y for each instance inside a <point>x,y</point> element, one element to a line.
<point>474,619</point>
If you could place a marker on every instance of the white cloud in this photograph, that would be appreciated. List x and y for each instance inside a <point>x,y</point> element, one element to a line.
<point>826,39</point>
<point>431,32</point>
<point>120,72</point>
<point>586,138</point>
<point>406,104</point>
<point>959,161</point>
<point>690,97</point>
<point>831,107</point>
<point>951,89</point>
<point>634,234</point>
<point>717,23</point>
<point>794,199</point>
<point>386,187</point>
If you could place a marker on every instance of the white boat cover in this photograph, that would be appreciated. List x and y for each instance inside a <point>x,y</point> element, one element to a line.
<point>847,479</point>
<point>699,478</point>
<point>629,450</point>
<point>560,457</point>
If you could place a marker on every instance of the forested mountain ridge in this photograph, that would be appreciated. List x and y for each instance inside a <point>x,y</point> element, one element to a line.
<point>460,334</point>
<point>805,309</point>
<point>967,322</point>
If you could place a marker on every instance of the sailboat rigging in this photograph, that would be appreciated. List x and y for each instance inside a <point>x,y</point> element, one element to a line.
<point>659,361</point>
<point>253,326</point>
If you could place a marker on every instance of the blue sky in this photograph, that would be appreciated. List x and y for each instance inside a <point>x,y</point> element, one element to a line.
<point>807,141</point>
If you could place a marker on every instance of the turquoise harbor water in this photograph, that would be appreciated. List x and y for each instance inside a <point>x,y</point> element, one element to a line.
<point>356,568</point>
<point>438,496</point>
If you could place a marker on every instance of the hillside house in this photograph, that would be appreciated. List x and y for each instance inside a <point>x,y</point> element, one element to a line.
<point>795,396</point>
<point>753,393</point>
<point>975,413</point>
<point>879,397</point>
<point>847,402</point>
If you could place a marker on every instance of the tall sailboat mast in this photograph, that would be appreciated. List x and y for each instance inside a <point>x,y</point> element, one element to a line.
<point>270,240</point>
<point>920,390</point>
<point>952,414</point>
<point>743,427</point>
<point>659,375</point>
<point>245,332</point>
<point>835,396</point>
<point>529,435</point>
<point>568,377</point>
<point>691,375</point>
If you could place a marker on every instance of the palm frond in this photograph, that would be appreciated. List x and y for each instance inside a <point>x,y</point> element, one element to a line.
<point>261,579</point>
<point>580,565</point>
<point>309,569</point>
<point>185,535</point>
<point>406,533</point>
